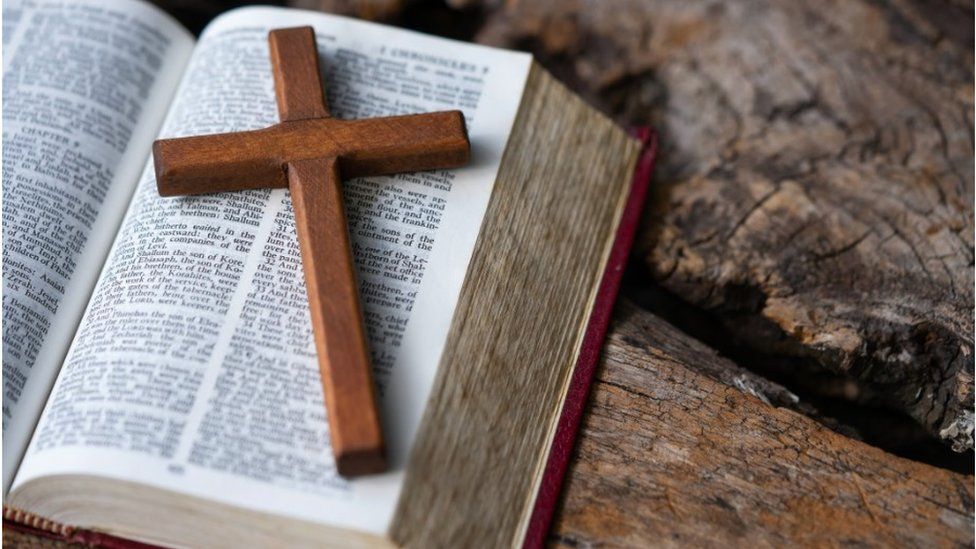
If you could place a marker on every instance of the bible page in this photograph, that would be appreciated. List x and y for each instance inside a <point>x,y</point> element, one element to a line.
<point>194,369</point>
<point>86,85</point>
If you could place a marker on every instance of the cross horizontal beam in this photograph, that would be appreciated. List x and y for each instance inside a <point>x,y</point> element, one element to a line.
<point>257,159</point>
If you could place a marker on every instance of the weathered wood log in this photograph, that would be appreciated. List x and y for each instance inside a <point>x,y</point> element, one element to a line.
<point>816,184</point>
<point>669,456</point>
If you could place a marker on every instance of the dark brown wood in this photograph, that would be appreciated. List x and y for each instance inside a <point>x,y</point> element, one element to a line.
<point>309,152</point>
<point>670,455</point>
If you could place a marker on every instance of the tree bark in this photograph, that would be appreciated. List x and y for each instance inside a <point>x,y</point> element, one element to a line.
<point>815,190</point>
<point>669,456</point>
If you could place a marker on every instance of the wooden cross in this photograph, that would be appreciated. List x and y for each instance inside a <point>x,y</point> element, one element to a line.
<point>309,152</point>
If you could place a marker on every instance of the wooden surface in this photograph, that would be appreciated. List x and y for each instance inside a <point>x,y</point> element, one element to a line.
<point>670,456</point>
<point>813,218</point>
<point>310,152</point>
<point>815,189</point>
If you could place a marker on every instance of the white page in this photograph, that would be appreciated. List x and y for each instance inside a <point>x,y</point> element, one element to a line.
<point>228,404</point>
<point>85,87</point>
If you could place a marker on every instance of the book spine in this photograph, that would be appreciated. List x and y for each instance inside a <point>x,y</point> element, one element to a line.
<point>35,523</point>
<point>596,331</point>
<point>40,527</point>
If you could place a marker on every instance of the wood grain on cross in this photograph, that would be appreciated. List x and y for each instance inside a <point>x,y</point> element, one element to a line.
<point>309,152</point>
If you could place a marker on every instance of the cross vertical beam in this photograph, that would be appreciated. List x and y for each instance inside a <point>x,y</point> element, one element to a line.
<point>330,275</point>
<point>333,298</point>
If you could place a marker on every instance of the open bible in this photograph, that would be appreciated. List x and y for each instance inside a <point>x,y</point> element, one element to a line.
<point>159,373</point>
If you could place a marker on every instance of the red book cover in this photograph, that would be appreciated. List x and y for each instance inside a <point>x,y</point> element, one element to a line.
<point>596,331</point>
<point>569,420</point>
